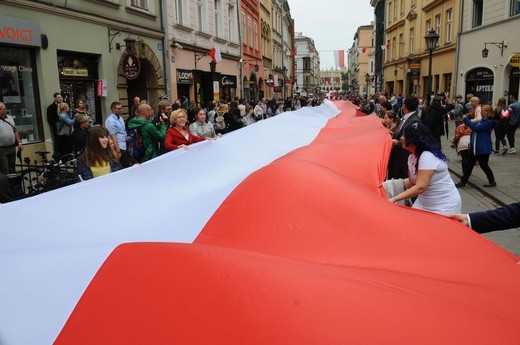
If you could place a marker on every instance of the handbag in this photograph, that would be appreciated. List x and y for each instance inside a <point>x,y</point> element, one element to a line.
<point>64,129</point>
<point>220,123</point>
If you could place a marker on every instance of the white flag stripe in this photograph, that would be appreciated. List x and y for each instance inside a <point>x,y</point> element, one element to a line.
<point>51,245</point>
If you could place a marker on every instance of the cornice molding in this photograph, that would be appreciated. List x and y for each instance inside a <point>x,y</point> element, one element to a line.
<point>85,17</point>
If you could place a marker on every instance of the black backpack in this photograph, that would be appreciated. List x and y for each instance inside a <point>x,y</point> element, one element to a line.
<point>136,140</point>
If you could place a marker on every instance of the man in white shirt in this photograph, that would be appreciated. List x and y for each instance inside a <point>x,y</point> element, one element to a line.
<point>116,127</point>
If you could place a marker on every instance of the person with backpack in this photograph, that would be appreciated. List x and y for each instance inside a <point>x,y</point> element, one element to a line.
<point>458,111</point>
<point>145,135</point>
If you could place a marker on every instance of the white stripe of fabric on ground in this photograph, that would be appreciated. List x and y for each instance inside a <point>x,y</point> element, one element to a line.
<point>167,199</point>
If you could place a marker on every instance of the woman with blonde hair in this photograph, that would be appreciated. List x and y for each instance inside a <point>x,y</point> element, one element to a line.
<point>179,135</point>
<point>65,128</point>
<point>475,115</point>
<point>502,113</point>
<point>220,122</point>
<point>480,146</point>
<point>99,157</point>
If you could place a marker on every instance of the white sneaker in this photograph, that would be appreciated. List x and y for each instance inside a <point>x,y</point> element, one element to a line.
<point>511,150</point>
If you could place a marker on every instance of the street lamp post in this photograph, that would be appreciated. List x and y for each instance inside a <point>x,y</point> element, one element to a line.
<point>431,42</point>
<point>367,79</point>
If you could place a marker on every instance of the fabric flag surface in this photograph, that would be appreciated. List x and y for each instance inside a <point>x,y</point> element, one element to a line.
<point>339,58</point>
<point>215,54</point>
<point>287,239</point>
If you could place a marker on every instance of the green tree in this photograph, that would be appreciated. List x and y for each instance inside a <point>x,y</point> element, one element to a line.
<point>345,81</point>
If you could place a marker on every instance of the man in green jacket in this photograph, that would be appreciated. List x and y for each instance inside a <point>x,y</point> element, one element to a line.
<point>151,135</point>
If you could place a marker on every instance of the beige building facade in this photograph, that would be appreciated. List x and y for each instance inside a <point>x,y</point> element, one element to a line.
<point>359,60</point>
<point>406,58</point>
<point>492,27</point>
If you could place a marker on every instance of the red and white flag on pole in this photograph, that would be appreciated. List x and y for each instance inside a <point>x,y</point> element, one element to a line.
<point>215,54</point>
<point>339,58</point>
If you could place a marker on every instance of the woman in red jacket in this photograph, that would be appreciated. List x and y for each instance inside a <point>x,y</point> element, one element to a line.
<point>179,135</point>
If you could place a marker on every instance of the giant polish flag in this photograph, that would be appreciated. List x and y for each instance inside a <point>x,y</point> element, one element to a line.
<point>278,233</point>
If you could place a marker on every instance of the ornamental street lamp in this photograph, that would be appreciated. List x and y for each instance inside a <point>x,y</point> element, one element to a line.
<point>431,43</point>
<point>367,79</point>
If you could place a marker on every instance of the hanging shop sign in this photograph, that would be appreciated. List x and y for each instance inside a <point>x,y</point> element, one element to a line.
<point>184,76</point>
<point>514,60</point>
<point>229,81</point>
<point>20,31</point>
<point>131,66</point>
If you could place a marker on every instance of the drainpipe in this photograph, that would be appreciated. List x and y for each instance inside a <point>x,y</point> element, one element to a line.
<point>240,61</point>
<point>457,52</point>
<point>166,49</point>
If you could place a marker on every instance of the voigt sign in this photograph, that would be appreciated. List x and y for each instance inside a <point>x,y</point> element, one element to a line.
<point>20,31</point>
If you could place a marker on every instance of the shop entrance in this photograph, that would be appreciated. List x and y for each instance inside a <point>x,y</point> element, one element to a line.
<point>78,78</point>
<point>514,81</point>
<point>479,82</point>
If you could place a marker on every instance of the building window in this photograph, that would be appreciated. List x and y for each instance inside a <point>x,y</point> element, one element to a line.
<point>232,23</point>
<point>478,10</point>
<point>449,22</point>
<point>243,27</point>
<point>18,86</point>
<point>201,13</point>
<point>217,4</point>
<point>438,24</point>
<point>255,35</point>
<point>515,7</point>
<point>140,4</point>
<point>412,41</point>
<point>395,9</point>
<point>250,31</point>
<point>447,82</point>
<point>179,12</point>
<point>414,2</point>
<point>394,45</point>
<point>389,12</point>
<point>401,45</point>
<point>428,25</point>
<point>402,6</point>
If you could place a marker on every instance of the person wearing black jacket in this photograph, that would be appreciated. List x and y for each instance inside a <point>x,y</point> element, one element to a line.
<point>232,117</point>
<point>502,218</point>
<point>433,118</point>
<point>398,162</point>
<point>53,119</point>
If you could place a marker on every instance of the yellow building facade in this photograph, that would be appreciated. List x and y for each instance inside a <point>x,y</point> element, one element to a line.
<point>406,60</point>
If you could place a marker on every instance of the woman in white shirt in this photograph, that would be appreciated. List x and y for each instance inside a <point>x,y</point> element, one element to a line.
<point>428,177</point>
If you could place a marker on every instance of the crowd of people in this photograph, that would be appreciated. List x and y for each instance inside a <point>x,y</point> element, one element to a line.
<point>416,161</point>
<point>418,174</point>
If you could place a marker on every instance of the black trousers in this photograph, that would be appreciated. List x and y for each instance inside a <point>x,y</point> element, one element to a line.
<point>511,135</point>
<point>483,162</point>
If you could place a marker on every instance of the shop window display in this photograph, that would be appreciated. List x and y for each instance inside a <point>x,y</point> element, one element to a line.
<point>18,91</point>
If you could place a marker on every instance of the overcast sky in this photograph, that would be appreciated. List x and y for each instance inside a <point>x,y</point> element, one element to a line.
<point>332,24</point>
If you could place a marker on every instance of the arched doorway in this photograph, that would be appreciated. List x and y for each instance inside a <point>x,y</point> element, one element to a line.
<point>261,92</point>
<point>253,88</point>
<point>479,82</point>
<point>514,81</point>
<point>148,85</point>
